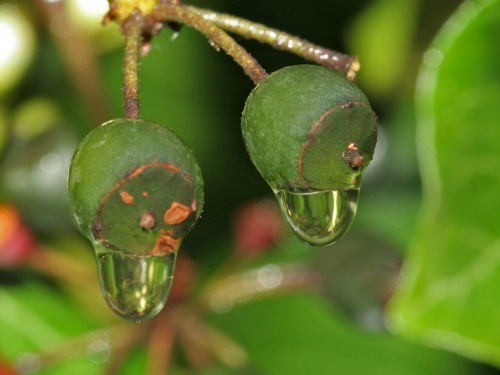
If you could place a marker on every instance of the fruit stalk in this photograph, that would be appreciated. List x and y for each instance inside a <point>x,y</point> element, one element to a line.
<point>132,29</point>
<point>79,58</point>
<point>344,64</point>
<point>184,15</point>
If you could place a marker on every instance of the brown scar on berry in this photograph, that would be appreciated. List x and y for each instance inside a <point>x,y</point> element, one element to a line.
<point>352,156</point>
<point>165,244</point>
<point>176,214</point>
<point>98,228</point>
<point>316,126</point>
<point>352,146</point>
<point>148,221</point>
<point>145,194</point>
<point>127,198</point>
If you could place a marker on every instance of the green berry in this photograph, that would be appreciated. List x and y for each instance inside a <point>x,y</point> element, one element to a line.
<point>308,128</point>
<point>134,185</point>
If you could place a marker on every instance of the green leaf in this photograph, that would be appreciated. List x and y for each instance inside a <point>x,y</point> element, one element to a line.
<point>34,319</point>
<point>297,334</point>
<point>449,292</point>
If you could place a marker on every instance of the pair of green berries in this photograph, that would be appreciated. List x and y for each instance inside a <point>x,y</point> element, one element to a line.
<point>135,186</point>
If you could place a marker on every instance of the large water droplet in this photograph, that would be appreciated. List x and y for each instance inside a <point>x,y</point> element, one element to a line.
<point>319,218</point>
<point>135,286</point>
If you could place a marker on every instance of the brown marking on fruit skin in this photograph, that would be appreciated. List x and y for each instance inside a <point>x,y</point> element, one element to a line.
<point>98,228</point>
<point>145,194</point>
<point>176,213</point>
<point>353,157</point>
<point>310,135</point>
<point>148,221</point>
<point>126,197</point>
<point>352,146</point>
<point>358,161</point>
<point>165,244</point>
<point>166,166</point>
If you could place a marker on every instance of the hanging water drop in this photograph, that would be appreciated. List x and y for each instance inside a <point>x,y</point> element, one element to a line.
<point>135,286</point>
<point>319,218</point>
<point>136,207</point>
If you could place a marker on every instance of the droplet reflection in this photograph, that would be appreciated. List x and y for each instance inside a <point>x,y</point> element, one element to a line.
<point>319,218</point>
<point>98,348</point>
<point>135,286</point>
<point>28,363</point>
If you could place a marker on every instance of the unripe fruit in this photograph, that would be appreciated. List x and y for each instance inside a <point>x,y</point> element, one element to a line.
<point>135,190</point>
<point>310,130</point>
<point>302,126</point>
<point>134,185</point>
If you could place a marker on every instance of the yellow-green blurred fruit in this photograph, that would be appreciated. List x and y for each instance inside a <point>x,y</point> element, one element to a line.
<point>87,17</point>
<point>17,46</point>
<point>381,36</point>
<point>33,117</point>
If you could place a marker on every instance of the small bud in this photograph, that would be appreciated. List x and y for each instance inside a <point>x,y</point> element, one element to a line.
<point>16,240</point>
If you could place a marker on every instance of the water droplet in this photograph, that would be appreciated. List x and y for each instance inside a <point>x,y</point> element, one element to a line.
<point>319,218</point>
<point>135,286</point>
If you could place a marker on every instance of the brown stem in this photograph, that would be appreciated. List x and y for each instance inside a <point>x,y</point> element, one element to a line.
<point>190,328</point>
<point>119,355</point>
<point>132,29</point>
<point>161,344</point>
<point>344,64</point>
<point>79,57</point>
<point>185,15</point>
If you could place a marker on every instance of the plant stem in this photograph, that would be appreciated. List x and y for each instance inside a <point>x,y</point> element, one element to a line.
<point>344,64</point>
<point>185,15</point>
<point>132,29</point>
<point>161,344</point>
<point>79,57</point>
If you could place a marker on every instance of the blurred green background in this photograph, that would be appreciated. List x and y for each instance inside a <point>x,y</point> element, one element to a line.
<point>412,288</point>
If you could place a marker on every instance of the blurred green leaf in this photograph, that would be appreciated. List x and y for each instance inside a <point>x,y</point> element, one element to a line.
<point>34,319</point>
<point>297,334</point>
<point>449,292</point>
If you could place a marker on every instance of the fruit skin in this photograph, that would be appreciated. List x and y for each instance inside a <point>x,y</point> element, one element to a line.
<point>309,128</point>
<point>125,177</point>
